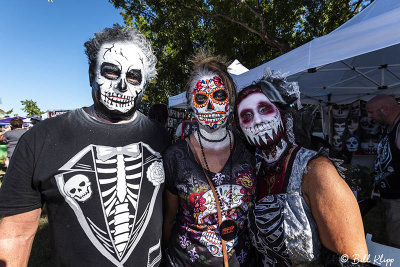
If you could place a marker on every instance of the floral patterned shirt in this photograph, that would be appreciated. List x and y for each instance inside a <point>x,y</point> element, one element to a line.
<point>195,239</point>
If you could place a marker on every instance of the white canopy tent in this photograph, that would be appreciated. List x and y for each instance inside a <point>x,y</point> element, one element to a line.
<point>179,101</point>
<point>358,60</point>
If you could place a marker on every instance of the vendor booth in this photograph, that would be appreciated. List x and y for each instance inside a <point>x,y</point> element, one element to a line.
<point>359,59</point>
<point>342,70</point>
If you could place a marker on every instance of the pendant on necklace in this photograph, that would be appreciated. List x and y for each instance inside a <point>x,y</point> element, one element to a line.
<point>228,230</point>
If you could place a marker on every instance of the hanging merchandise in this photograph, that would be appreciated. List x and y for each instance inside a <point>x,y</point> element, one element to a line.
<point>353,131</point>
<point>353,125</point>
<point>355,109</point>
<point>369,126</point>
<point>339,126</point>
<point>352,144</point>
<point>340,111</point>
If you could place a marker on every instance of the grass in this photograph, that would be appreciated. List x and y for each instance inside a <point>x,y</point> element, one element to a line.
<point>41,250</point>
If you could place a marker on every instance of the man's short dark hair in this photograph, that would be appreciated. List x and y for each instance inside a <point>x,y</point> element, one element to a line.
<point>121,34</point>
<point>16,123</point>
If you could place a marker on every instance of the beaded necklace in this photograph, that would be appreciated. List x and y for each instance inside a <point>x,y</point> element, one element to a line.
<point>228,229</point>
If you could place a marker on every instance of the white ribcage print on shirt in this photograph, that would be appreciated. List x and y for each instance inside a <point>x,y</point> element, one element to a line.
<point>113,192</point>
<point>266,230</point>
<point>119,180</point>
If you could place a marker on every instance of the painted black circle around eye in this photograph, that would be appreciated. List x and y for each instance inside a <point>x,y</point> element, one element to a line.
<point>134,77</point>
<point>200,99</point>
<point>110,71</point>
<point>220,95</point>
<point>246,116</point>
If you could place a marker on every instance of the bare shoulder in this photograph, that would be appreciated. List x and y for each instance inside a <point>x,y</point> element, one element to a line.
<point>334,208</point>
<point>321,175</point>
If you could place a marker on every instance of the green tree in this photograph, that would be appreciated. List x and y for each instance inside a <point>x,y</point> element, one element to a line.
<point>251,31</point>
<point>8,112</point>
<point>30,107</point>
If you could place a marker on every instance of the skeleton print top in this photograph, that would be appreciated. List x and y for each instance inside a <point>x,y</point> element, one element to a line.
<point>281,226</point>
<point>195,239</point>
<point>102,185</point>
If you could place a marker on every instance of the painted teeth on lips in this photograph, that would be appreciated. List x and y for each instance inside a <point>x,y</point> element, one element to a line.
<point>119,98</point>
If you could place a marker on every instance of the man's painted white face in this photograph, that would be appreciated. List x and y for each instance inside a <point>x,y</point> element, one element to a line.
<point>262,125</point>
<point>211,102</point>
<point>119,75</point>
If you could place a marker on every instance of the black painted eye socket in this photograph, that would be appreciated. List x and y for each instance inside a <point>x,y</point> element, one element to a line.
<point>134,77</point>
<point>110,71</point>
<point>200,99</point>
<point>246,116</point>
<point>220,95</point>
<point>265,108</point>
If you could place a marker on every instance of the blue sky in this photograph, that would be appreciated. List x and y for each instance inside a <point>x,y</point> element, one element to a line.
<point>42,55</point>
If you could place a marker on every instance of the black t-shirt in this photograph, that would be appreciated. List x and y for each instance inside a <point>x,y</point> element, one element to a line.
<point>195,239</point>
<point>102,184</point>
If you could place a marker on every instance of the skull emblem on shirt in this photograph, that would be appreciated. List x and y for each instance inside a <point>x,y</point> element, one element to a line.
<point>78,187</point>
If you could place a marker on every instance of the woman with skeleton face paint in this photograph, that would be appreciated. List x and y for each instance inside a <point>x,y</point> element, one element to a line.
<point>304,212</point>
<point>209,178</point>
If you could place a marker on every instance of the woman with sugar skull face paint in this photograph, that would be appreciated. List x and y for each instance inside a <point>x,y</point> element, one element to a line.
<point>304,213</point>
<point>209,178</point>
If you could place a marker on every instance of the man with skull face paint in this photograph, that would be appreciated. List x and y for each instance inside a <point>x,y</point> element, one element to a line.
<point>209,179</point>
<point>302,201</point>
<point>98,169</point>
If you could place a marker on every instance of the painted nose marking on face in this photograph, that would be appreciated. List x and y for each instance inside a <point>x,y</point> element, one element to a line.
<point>210,105</point>
<point>122,86</point>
